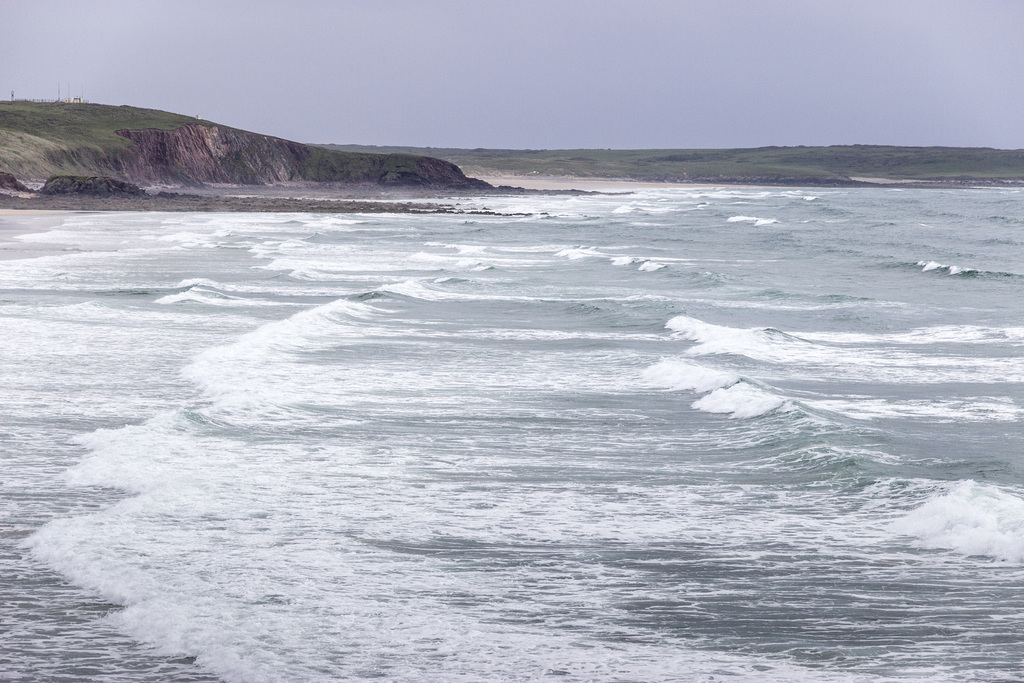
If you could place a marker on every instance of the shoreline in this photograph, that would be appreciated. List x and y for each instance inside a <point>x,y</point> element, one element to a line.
<point>16,222</point>
<point>222,203</point>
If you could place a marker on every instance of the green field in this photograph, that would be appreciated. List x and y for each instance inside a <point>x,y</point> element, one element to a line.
<point>818,165</point>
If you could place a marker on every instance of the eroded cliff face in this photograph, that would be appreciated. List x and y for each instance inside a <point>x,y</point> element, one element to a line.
<point>198,153</point>
<point>208,154</point>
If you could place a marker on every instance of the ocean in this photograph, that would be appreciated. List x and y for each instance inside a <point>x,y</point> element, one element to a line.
<point>683,434</point>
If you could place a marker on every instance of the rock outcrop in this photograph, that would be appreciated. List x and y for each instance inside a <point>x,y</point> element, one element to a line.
<point>197,153</point>
<point>10,183</point>
<point>91,186</point>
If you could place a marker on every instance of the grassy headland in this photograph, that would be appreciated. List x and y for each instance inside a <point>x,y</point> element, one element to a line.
<point>148,146</point>
<point>837,165</point>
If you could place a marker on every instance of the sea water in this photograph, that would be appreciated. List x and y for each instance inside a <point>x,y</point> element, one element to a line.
<point>679,434</point>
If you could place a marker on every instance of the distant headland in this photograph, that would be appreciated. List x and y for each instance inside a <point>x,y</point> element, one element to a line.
<point>834,166</point>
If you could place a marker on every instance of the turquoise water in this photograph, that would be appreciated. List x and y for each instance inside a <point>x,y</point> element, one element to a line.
<point>673,435</point>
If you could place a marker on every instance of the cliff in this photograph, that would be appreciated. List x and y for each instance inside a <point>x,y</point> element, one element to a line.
<point>146,146</point>
<point>215,154</point>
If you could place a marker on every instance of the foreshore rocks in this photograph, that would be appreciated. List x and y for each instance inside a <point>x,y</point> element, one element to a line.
<point>90,186</point>
<point>10,183</point>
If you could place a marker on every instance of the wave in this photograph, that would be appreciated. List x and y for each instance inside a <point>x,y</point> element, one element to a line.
<point>938,334</point>
<point>414,289</point>
<point>725,393</point>
<point>860,357</point>
<point>752,219</point>
<point>682,376</point>
<point>237,368</point>
<point>971,519</point>
<point>978,409</point>
<point>710,338</point>
<point>206,291</point>
<point>650,266</point>
<point>938,267</point>
<point>739,401</point>
<point>952,270</point>
<point>576,253</point>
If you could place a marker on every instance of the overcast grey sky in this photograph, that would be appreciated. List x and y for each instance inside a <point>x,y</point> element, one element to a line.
<point>543,74</point>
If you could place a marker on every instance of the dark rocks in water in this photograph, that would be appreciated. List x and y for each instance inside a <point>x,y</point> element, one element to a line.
<point>9,182</point>
<point>91,186</point>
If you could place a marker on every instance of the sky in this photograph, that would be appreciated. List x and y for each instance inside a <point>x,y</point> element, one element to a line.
<point>542,75</point>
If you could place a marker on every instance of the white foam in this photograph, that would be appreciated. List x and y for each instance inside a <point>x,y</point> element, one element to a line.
<point>417,290</point>
<point>575,253</point>
<point>200,295</point>
<point>192,282</point>
<point>623,260</point>
<point>927,266</point>
<point>235,370</point>
<point>741,400</point>
<point>649,266</point>
<point>863,361</point>
<point>972,519</point>
<point>717,338</point>
<point>752,219</point>
<point>982,409</point>
<point>683,376</point>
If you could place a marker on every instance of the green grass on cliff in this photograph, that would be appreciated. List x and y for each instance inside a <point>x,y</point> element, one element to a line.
<point>38,139</point>
<point>821,164</point>
<point>327,165</point>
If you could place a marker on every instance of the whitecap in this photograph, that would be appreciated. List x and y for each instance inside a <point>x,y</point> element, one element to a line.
<point>972,519</point>
<point>649,266</point>
<point>741,400</point>
<point>682,376</point>
<point>575,253</point>
<point>752,219</point>
<point>719,338</point>
<point>927,266</point>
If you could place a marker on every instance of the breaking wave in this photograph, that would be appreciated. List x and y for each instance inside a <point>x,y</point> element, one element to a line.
<point>725,393</point>
<point>972,519</point>
<point>752,219</point>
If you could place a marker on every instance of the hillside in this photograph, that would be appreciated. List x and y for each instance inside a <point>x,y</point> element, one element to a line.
<point>838,165</point>
<point>147,146</point>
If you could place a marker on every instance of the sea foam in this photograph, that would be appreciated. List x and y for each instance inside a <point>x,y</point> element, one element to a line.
<point>752,219</point>
<point>741,400</point>
<point>972,519</point>
<point>725,393</point>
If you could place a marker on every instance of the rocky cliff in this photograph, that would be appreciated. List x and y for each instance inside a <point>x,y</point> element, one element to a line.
<point>213,154</point>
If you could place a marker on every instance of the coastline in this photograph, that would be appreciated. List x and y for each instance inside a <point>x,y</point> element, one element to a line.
<point>568,183</point>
